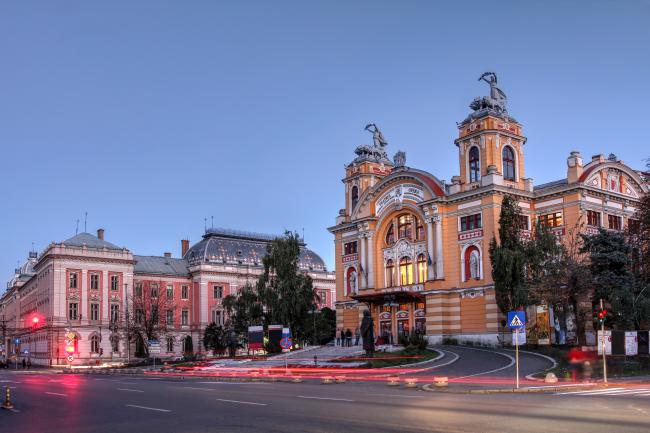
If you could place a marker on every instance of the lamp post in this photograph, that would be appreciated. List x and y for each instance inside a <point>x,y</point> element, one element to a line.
<point>126,317</point>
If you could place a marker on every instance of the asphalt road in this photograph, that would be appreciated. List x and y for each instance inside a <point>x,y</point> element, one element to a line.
<point>55,403</point>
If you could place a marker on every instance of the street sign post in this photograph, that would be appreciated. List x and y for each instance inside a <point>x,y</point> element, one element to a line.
<point>517,322</point>
<point>154,348</point>
<point>286,342</point>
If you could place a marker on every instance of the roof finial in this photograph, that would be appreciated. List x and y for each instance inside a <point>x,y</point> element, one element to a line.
<point>76,231</point>
<point>205,224</point>
<point>86,223</point>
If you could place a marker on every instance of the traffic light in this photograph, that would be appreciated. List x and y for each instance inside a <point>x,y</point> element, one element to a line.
<point>35,320</point>
<point>602,314</point>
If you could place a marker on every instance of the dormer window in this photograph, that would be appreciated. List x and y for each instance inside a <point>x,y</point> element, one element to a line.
<point>474,165</point>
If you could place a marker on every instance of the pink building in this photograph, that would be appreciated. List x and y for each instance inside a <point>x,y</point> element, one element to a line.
<point>84,286</point>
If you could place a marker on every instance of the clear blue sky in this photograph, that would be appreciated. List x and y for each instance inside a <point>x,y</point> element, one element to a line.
<point>151,115</point>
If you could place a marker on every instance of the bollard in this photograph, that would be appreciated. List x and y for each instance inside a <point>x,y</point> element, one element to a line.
<point>340,379</point>
<point>441,381</point>
<point>550,378</point>
<point>327,380</point>
<point>296,379</point>
<point>7,404</point>
<point>393,381</point>
<point>411,382</point>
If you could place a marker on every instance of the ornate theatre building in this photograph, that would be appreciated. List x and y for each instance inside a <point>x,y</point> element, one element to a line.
<point>414,249</point>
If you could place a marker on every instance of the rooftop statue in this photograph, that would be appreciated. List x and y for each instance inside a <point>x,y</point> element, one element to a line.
<point>376,152</point>
<point>497,99</point>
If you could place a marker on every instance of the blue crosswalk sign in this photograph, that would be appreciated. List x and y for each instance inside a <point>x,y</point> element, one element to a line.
<point>516,319</point>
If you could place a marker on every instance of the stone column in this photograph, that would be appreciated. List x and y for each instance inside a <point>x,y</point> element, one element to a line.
<point>370,262</point>
<point>440,268</point>
<point>430,252</point>
<point>362,264</point>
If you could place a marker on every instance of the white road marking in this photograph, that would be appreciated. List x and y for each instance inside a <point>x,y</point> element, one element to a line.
<point>56,393</point>
<point>325,398</point>
<point>194,387</point>
<point>148,408</point>
<point>587,392</point>
<point>399,395</point>
<point>128,389</point>
<point>241,402</point>
<point>235,383</point>
<point>512,362</point>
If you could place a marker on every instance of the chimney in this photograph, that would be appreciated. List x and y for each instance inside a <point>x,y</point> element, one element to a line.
<point>100,234</point>
<point>167,254</point>
<point>185,245</point>
<point>574,167</point>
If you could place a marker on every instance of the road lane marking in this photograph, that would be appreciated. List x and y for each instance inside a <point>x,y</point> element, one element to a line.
<point>241,402</point>
<point>324,398</point>
<point>128,389</point>
<point>235,383</point>
<point>194,387</point>
<point>148,408</point>
<point>593,391</point>
<point>56,393</point>
<point>399,395</point>
<point>512,362</point>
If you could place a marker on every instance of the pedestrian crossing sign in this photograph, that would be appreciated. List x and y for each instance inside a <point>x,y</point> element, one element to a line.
<point>516,319</point>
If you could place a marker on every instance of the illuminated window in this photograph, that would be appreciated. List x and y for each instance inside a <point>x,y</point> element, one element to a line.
<point>593,218</point>
<point>615,222</point>
<point>508,163</point>
<point>94,344</point>
<point>419,230</point>
<point>405,227</point>
<point>422,268</point>
<point>406,271</point>
<point>470,222</point>
<point>474,165</point>
<point>551,220</point>
<point>390,235</point>
<point>94,281</point>
<point>73,280</point>
<point>390,269</point>
<point>73,309</point>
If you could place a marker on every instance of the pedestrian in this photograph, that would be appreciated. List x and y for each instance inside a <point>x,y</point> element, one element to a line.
<point>29,363</point>
<point>24,363</point>
<point>338,337</point>
<point>348,337</point>
<point>357,336</point>
<point>342,337</point>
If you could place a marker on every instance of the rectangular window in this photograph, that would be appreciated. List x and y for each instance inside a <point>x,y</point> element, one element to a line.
<point>350,248</point>
<point>614,222</point>
<point>72,310</point>
<point>470,222</point>
<point>154,290</point>
<point>216,316</point>
<point>170,291</point>
<point>138,289</point>
<point>593,218</point>
<point>551,219</point>
<point>523,222</point>
<point>73,280</point>
<point>217,292</point>
<point>154,314</point>
<point>185,317</point>
<point>185,292</point>
<point>94,281</point>
<point>139,315</point>
<point>115,313</point>
<point>633,226</point>
<point>170,317</point>
<point>94,311</point>
<point>115,282</point>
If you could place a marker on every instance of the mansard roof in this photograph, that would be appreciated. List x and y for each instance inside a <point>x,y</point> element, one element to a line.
<point>90,241</point>
<point>161,266</point>
<point>223,246</point>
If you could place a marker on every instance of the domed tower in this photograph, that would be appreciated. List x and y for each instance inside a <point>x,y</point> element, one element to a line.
<point>370,165</point>
<point>490,143</point>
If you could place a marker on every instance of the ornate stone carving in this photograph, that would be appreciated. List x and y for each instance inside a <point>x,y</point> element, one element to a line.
<point>497,99</point>
<point>376,152</point>
<point>399,159</point>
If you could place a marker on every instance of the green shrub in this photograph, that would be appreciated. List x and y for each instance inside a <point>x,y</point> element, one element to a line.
<point>272,347</point>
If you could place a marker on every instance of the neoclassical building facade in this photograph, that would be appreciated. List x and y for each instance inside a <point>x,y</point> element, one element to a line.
<point>414,249</point>
<point>85,286</point>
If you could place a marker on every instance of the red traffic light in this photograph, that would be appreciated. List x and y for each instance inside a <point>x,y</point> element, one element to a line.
<point>35,320</point>
<point>602,314</point>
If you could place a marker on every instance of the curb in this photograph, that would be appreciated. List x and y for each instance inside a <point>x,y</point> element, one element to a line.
<point>430,388</point>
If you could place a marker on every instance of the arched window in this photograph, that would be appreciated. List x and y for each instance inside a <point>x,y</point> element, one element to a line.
<point>508,163</point>
<point>352,281</point>
<point>390,268</point>
<point>472,264</point>
<point>170,344</point>
<point>354,197</point>
<point>94,344</point>
<point>405,271</point>
<point>405,226</point>
<point>474,165</point>
<point>390,235</point>
<point>419,229</point>
<point>422,268</point>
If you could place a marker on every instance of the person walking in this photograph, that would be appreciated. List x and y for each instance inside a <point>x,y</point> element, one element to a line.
<point>24,363</point>
<point>357,336</point>
<point>348,337</point>
<point>342,335</point>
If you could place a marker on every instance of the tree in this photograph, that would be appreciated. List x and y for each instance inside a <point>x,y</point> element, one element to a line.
<point>610,267</point>
<point>148,314</point>
<point>638,234</point>
<point>323,326</point>
<point>243,310</point>
<point>508,257</point>
<point>545,260</point>
<point>214,338</point>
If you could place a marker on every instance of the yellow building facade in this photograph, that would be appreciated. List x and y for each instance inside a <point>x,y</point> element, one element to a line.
<point>414,249</point>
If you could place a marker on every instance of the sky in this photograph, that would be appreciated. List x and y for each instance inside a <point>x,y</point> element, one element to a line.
<point>154,115</point>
